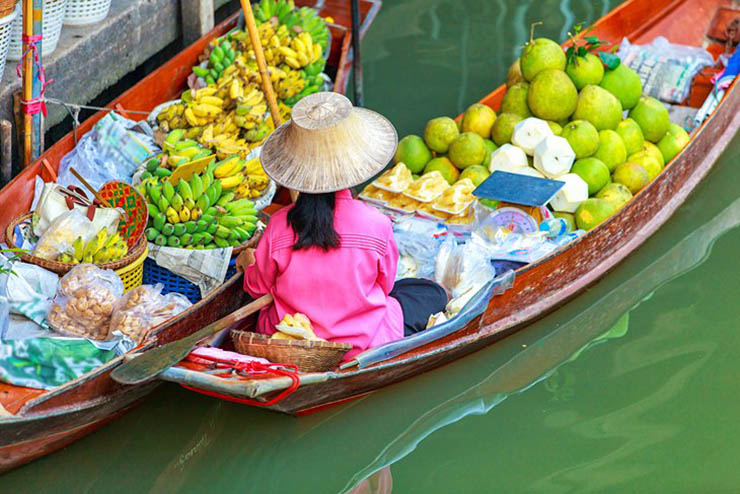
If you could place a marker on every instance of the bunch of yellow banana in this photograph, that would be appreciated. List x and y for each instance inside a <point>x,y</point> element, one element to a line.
<point>100,250</point>
<point>302,51</point>
<point>292,84</point>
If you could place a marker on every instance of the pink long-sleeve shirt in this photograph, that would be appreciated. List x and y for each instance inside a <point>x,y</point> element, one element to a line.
<point>343,291</point>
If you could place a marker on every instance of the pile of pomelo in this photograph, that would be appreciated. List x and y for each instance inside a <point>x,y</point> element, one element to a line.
<point>562,118</point>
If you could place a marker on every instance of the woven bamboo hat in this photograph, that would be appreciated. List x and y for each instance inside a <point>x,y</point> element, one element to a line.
<point>329,145</point>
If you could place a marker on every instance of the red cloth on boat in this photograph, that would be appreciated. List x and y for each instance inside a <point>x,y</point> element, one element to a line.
<point>343,291</point>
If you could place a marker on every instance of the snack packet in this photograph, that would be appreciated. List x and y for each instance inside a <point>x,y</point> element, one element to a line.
<point>143,308</point>
<point>84,302</point>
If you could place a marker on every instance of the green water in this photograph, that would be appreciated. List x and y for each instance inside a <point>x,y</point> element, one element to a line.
<point>632,387</point>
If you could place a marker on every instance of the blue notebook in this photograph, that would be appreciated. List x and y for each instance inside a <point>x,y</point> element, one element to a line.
<point>518,189</point>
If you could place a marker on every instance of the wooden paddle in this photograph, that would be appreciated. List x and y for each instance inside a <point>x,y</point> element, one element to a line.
<point>155,361</point>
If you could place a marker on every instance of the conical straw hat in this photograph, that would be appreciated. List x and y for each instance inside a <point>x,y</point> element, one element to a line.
<point>328,145</point>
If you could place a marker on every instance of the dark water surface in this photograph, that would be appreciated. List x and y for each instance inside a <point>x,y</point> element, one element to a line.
<point>632,387</point>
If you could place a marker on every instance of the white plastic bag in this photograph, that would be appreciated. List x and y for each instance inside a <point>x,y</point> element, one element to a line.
<point>53,203</point>
<point>666,69</point>
<point>62,233</point>
<point>85,300</point>
<point>143,308</point>
<point>462,268</point>
<point>418,241</point>
<point>112,150</point>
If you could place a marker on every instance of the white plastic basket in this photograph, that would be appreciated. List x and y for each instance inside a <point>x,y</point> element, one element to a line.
<point>84,12</point>
<point>6,27</point>
<point>54,11</point>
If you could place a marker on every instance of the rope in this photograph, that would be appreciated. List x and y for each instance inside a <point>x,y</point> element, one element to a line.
<point>55,101</point>
<point>287,370</point>
<point>35,105</point>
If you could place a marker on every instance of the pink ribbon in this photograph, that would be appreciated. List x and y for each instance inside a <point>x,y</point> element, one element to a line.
<point>35,105</point>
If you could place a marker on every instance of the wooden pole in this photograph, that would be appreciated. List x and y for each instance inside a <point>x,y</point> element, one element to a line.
<point>32,124</point>
<point>260,56</point>
<point>356,56</point>
<point>6,152</point>
<point>264,74</point>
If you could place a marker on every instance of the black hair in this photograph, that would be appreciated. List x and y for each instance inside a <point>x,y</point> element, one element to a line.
<point>312,221</point>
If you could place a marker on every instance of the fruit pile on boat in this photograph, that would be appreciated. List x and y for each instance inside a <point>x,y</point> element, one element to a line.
<point>226,109</point>
<point>577,116</point>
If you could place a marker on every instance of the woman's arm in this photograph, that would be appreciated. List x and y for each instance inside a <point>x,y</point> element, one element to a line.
<point>260,275</point>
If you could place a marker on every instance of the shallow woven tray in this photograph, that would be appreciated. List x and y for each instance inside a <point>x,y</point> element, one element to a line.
<point>255,238</point>
<point>308,356</point>
<point>60,267</point>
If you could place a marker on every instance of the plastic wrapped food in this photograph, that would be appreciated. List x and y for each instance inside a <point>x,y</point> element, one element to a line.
<point>397,179</point>
<point>418,241</point>
<point>377,195</point>
<point>457,198</point>
<point>144,308</point>
<point>61,235</point>
<point>295,327</point>
<point>84,302</point>
<point>427,187</point>
<point>403,203</point>
<point>462,268</point>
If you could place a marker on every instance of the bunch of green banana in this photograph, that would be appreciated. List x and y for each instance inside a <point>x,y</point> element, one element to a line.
<point>220,56</point>
<point>202,212</point>
<point>101,249</point>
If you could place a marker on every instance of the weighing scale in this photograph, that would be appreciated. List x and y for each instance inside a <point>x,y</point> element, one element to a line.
<point>521,199</point>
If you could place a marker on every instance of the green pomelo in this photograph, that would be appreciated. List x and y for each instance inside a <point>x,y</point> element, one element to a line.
<point>598,106</point>
<point>514,74</point>
<point>625,84</point>
<point>673,142</point>
<point>585,70</point>
<point>652,117</point>
<point>552,95</point>
<point>593,211</point>
<point>467,149</point>
<point>541,54</point>
<point>648,162</point>
<point>593,171</point>
<point>611,149</point>
<point>617,194</point>
<point>582,137</point>
<point>443,166</point>
<point>653,151</point>
<point>490,148</point>
<point>476,173</point>
<point>413,152</point>
<point>515,100</point>
<point>570,220</point>
<point>503,128</point>
<point>479,118</point>
<point>631,135</point>
<point>631,175</point>
<point>439,133</point>
<point>556,128</point>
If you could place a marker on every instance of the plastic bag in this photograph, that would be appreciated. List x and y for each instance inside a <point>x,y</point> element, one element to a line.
<point>84,302</point>
<point>144,308</point>
<point>666,69</point>
<point>62,233</point>
<point>112,150</point>
<point>28,291</point>
<point>462,268</point>
<point>56,200</point>
<point>418,241</point>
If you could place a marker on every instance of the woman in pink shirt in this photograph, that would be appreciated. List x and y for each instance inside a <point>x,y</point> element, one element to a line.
<point>329,256</point>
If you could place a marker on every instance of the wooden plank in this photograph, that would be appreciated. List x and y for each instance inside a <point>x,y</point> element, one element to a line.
<point>197,19</point>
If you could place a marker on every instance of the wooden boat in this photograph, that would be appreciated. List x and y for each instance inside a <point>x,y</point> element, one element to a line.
<point>543,286</point>
<point>210,433</point>
<point>44,421</point>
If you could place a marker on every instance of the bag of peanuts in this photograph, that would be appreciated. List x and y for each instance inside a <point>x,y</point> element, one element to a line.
<point>144,308</point>
<point>84,302</point>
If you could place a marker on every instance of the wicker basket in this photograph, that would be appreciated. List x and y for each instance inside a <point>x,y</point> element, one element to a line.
<point>308,356</point>
<point>133,274</point>
<point>6,28</point>
<point>62,268</point>
<point>84,12</point>
<point>51,29</point>
<point>7,7</point>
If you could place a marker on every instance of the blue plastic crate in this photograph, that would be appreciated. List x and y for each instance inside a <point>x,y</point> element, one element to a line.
<point>154,273</point>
